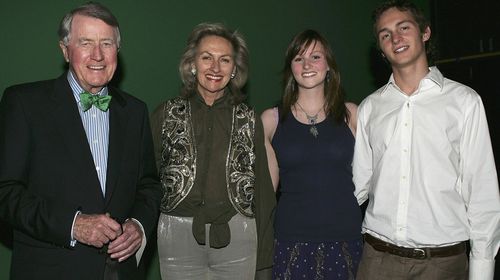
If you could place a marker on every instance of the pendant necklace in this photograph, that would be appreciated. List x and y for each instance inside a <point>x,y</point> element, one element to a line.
<point>312,120</point>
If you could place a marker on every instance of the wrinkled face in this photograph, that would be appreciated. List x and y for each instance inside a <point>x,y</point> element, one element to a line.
<point>400,39</point>
<point>91,52</point>
<point>309,67</point>
<point>214,64</point>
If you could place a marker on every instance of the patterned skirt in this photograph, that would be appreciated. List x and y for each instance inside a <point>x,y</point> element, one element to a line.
<point>316,260</point>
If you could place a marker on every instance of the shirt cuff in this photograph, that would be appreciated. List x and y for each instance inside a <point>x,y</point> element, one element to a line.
<point>140,251</point>
<point>73,241</point>
<point>480,269</point>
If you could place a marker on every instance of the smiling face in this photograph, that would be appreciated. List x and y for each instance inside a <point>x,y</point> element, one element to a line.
<point>309,67</point>
<point>91,52</point>
<point>214,64</point>
<point>400,39</point>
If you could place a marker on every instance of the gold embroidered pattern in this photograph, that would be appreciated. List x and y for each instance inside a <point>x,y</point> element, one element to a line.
<point>320,260</point>
<point>348,260</point>
<point>178,164</point>
<point>241,160</point>
<point>291,261</point>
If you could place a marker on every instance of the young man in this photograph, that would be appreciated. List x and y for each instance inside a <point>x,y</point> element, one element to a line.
<point>424,160</point>
<point>78,180</point>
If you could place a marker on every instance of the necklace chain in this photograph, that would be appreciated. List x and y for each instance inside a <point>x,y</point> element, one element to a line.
<point>311,119</point>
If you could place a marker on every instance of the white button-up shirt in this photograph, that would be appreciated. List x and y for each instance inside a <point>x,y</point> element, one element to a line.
<point>425,163</point>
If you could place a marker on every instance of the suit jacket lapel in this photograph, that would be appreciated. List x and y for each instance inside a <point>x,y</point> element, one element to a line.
<point>69,123</point>
<point>118,119</point>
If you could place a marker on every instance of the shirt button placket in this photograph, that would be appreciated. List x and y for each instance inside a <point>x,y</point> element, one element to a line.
<point>402,212</point>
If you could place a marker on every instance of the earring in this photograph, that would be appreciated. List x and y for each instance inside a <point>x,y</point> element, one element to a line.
<point>233,75</point>
<point>193,71</point>
<point>328,76</point>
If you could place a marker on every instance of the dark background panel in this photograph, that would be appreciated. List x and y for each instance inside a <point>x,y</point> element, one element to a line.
<point>467,42</point>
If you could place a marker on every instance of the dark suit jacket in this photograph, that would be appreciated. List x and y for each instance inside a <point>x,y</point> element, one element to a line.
<point>47,174</point>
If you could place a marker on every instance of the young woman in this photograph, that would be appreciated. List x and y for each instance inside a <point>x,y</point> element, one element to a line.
<point>310,143</point>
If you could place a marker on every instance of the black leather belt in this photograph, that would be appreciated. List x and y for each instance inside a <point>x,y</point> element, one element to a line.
<point>415,253</point>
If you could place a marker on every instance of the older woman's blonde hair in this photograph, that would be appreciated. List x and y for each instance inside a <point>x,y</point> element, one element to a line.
<point>240,56</point>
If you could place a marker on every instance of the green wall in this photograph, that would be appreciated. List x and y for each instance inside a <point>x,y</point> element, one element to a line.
<point>154,34</point>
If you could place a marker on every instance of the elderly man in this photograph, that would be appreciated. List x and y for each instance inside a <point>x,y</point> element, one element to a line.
<point>78,179</point>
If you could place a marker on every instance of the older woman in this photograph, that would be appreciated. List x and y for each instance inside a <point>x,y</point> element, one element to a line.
<point>216,211</point>
<point>310,142</point>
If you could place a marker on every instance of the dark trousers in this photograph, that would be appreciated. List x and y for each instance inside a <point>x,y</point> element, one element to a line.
<point>377,265</point>
<point>111,269</point>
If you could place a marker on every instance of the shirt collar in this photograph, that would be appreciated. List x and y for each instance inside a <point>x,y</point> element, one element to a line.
<point>77,89</point>
<point>434,75</point>
<point>223,100</point>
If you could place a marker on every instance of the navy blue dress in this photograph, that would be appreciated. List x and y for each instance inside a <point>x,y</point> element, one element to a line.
<point>318,220</point>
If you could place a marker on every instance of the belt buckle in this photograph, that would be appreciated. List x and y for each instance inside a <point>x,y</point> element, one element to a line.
<point>419,253</point>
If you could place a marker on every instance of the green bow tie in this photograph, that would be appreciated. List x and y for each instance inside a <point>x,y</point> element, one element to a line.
<point>100,101</point>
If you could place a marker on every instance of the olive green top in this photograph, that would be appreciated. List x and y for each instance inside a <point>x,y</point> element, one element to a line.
<point>208,201</point>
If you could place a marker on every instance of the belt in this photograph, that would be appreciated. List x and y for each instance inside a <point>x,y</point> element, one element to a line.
<point>415,253</point>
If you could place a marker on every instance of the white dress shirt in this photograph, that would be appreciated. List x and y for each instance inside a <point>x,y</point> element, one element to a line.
<point>425,163</point>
